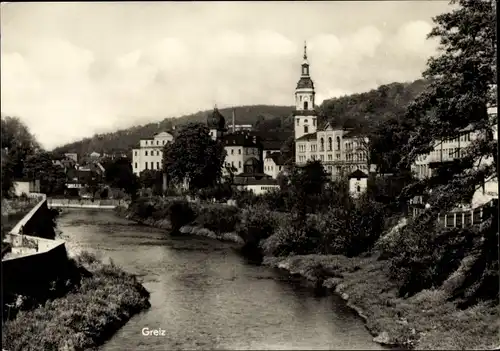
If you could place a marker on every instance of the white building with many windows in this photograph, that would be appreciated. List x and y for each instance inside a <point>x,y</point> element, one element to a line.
<point>341,151</point>
<point>149,155</point>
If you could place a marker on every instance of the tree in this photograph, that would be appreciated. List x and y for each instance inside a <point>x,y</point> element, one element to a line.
<point>153,179</point>
<point>119,174</point>
<point>17,144</point>
<point>52,177</point>
<point>306,183</point>
<point>194,157</point>
<point>461,77</point>
<point>288,150</point>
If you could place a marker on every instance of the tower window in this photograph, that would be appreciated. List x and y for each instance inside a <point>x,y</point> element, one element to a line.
<point>314,121</point>
<point>329,144</point>
<point>338,143</point>
<point>306,129</point>
<point>305,105</point>
<point>322,147</point>
<point>146,153</point>
<point>298,120</point>
<point>300,97</point>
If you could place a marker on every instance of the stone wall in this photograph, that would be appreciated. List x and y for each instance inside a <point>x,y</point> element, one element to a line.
<point>86,203</point>
<point>35,259</point>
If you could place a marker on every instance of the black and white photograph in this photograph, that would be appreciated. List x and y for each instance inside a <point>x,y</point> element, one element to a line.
<point>249,175</point>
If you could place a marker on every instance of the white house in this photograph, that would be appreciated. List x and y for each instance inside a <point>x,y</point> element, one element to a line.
<point>149,155</point>
<point>274,164</point>
<point>358,183</point>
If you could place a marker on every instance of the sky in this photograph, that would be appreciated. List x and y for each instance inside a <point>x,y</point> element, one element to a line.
<point>70,70</point>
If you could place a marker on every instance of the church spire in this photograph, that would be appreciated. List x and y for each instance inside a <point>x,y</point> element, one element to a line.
<point>305,62</point>
<point>305,50</point>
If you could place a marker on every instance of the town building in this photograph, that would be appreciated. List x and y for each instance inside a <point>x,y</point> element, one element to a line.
<point>358,183</point>
<point>72,155</point>
<point>274,164</point>
<point>149,155</point>
<point>341,151</point>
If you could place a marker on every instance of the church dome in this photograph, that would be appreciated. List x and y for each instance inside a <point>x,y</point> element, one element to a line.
<point>216,120</point>
<point>305,83</point>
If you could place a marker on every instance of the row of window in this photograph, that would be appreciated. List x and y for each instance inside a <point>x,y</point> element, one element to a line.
<point>314,147</point>
<point>464,137</point>
<point>152,142</point>
<point>305,122</point>
<point>152,164</point>
<point>271,168</point>
<point>229,164</point>
<point>445,154</point>
<point>151,153</point>
<point>360,156</point>
<point>247,151</point>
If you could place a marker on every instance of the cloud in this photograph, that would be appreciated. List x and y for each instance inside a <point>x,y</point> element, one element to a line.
<point>65,91</point>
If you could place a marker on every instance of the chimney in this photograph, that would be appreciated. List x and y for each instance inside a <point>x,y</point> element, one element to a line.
<point>234,121</point>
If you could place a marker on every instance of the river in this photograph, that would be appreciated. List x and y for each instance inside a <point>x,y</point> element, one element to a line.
<point>205,296</point>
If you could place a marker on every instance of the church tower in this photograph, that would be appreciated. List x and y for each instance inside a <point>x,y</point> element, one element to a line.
<point>305,119</point>
<point>216,124</point>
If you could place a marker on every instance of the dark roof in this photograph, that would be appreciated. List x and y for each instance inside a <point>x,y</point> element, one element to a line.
<point>309,136</point>
<point>357,174</point>
<point>216,120</point>
<point>253,175</point>
<point>353,133</point>
<point>240,139</point>
<point>253,181</point>
<point>272,144</point>
<point>278,158</point>
<point>305,82</point>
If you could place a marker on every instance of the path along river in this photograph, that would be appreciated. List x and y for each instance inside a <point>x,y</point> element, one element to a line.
<point>205,296</point>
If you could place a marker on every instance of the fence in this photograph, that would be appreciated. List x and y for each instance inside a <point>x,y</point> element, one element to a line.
<point>463,218</point>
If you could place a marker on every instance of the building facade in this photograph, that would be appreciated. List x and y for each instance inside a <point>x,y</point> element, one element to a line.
<point>149,155</point>
<point>341,151</point>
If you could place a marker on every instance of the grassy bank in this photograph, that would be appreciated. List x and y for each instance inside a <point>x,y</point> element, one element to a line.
<point>91,312</point>
<point>426,320</point>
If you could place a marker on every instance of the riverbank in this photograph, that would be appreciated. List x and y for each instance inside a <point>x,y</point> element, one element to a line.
<point>104,300</point>
<point>195,227</point>
<point>424,321</point>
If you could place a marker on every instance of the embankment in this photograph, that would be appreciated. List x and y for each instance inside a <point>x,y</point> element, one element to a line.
<point>104,299</point>
<point>52,302</point>
<point>424,321</point>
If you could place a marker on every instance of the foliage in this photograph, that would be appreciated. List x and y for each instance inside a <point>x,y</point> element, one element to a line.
<point>194,156</point>
<point>180,213</point>
<point>257,223</point>
<point>218,218</point>
<point>152,179</point>
<point>105,299</point>
<point>17,144</point>
<point>461,78</point>
<point>52,177</point>
<point>119,175</point>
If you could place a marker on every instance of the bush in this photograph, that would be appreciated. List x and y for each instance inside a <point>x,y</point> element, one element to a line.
<point>292,240</point>
<point>257,223</point>
<point>218,218</point>
<point>180,213</point>
<point>426,254</point>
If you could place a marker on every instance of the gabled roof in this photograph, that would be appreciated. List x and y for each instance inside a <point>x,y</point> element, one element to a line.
<point>278,158</point>
<point>309,136</point>
<point>163,135</point>
<point>357,174</point>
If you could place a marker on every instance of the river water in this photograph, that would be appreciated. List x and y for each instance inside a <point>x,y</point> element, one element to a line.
<point>205,296</point>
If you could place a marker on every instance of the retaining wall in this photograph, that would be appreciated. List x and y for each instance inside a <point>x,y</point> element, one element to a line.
<point>33,261</point>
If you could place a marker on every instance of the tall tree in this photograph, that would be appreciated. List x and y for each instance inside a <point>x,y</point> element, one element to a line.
<point>119,175</point>
<point>194,157</point>
<point>18,142</point>
<point>461,78</point>
<point>52,177</point>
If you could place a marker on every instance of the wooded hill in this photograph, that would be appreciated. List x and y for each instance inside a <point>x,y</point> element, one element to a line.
<point>358,110</point>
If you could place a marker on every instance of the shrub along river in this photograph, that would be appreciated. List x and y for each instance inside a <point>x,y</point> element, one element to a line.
<point>204,295</point>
